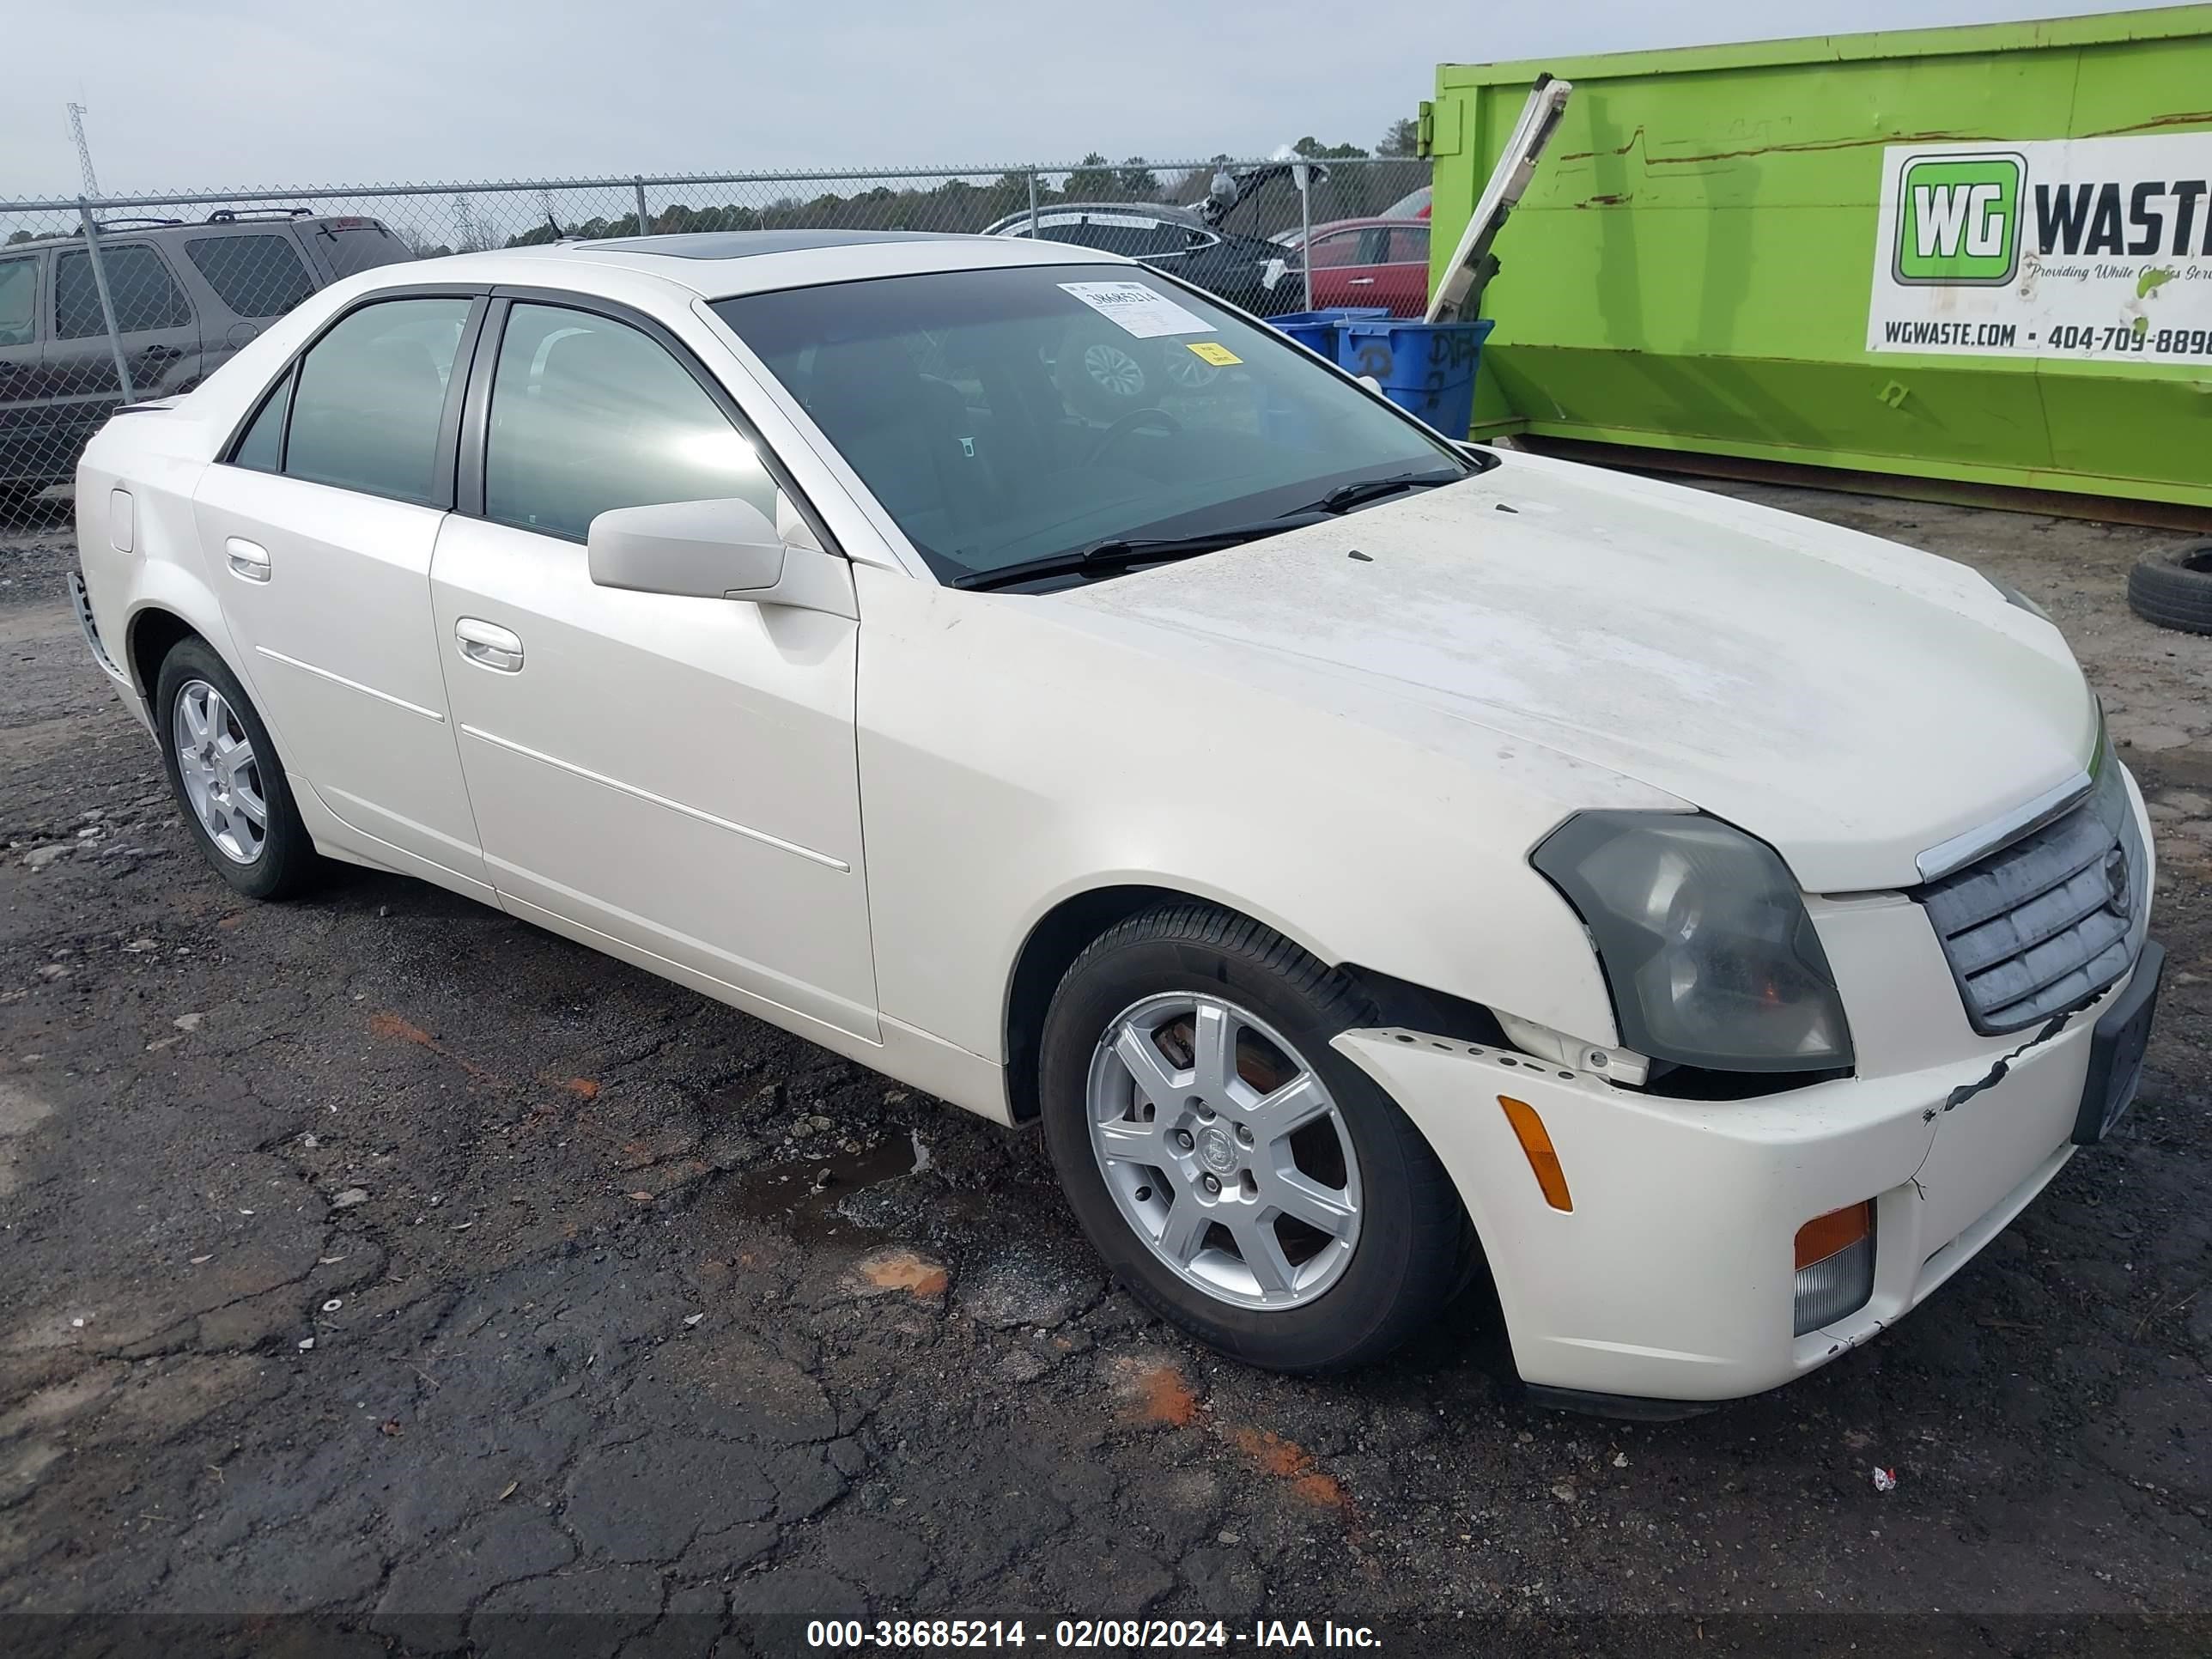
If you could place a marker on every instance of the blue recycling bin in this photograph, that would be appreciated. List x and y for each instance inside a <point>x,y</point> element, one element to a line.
<point>1317,330</point>
<point>1427,369</point>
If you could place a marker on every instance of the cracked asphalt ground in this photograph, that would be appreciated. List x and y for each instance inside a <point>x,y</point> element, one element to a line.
<point>384,1260</point>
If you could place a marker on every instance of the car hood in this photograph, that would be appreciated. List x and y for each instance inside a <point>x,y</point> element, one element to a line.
<point>1850,702</point>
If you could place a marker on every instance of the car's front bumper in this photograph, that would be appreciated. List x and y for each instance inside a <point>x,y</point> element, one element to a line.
<point>1672,1276</point>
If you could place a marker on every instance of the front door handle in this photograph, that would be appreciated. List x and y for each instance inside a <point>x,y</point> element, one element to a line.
<point>249,561</point>
<point>1359,282</point>
<point>489,646</point>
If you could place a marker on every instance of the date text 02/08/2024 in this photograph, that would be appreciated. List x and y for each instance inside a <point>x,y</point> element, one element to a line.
<point>1084,1635</point>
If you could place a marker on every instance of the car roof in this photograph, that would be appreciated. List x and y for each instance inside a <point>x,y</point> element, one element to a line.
<point>1134,209</point>
<point>1166,212</point>
<point>723,264</point>
<point>134,229</point>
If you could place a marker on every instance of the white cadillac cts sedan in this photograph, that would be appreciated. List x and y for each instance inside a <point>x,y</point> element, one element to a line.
<point>1373,859</point>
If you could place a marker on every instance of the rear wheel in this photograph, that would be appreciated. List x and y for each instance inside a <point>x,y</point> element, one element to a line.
<point>1238,1173</point>
<point>224,771</point>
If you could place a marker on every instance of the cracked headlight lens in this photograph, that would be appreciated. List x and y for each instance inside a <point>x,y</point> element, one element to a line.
<point>1711,959</point>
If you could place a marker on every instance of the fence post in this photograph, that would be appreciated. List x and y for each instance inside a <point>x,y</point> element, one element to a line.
<point>1305,176</point>
<point>644,226</point>
<point>1032,204</point>
<point>106,300</point>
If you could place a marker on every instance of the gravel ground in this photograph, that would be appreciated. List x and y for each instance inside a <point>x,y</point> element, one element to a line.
<point>384,1261</point>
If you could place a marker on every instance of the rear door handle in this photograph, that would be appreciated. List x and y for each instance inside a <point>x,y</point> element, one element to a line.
<point>249,561</point>
<point>489,646</point>
<point>1359,282</point>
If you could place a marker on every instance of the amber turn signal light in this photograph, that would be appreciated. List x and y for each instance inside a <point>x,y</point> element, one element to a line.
<point>1536,1145</point>
<point>1829,1235</point>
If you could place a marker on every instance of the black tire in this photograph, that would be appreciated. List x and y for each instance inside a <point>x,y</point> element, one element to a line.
<point>1414,1243</point>
<point>2174,589</point>
<point>287,864</point>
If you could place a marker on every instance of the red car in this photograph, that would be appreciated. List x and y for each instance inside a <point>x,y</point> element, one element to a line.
<point>1367,262</point>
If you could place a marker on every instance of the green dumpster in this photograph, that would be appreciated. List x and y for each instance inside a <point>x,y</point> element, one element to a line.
<point>1980,255</point>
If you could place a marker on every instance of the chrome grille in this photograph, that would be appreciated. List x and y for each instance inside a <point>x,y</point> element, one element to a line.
<point>2044,924</point>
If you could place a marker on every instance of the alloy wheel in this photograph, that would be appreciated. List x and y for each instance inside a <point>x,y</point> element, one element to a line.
<point>220,774</point>
<point>1223,1150</point>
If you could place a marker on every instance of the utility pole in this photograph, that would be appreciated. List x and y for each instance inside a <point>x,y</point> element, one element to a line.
<point>77,113</point>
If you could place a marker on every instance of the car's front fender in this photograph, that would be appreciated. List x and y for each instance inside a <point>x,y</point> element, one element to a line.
<point>1015,754</point>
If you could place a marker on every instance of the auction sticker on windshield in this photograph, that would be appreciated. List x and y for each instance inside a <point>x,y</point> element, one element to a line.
<point>2077,247</point>
<point>1143,312</point>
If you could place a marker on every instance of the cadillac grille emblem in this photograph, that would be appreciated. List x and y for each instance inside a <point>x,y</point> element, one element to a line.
<point>2116,878</point>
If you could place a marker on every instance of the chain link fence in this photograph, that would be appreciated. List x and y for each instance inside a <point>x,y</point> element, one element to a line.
<point>119,298</point>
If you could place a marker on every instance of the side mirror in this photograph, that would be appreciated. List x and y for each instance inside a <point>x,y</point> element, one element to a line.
<point>703,549</point>
<point>722,550</point>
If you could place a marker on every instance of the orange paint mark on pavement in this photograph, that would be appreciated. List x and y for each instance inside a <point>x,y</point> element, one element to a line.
<point>903,1270</point>
<point>1160,1393</point>
<point>391,1025</point>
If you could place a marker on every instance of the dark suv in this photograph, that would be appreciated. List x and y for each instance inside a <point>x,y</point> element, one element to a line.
<point>185,297</point>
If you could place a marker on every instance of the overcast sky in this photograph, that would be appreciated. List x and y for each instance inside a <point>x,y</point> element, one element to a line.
<point>200,93</point>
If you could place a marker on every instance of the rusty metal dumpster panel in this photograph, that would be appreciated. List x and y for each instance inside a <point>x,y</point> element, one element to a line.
<point>1976,254</point>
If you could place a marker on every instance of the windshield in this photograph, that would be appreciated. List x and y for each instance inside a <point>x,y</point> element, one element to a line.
<point>1010,416</point>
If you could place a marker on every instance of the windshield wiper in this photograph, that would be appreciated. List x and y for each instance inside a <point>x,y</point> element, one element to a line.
<point>1345,497</point>
<point>1119,553</point>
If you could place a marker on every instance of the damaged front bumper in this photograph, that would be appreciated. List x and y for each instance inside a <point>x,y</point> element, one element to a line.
<point>1671,1276</point>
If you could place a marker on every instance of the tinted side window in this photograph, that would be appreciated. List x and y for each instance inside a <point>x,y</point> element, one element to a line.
<point>144,293</point>
<point>1409,247</point>
<point>254,276</point>
<point>587,414</point>
<point>262,448</point>
<point>1341,249</point>
<point>371,397</point>
<point>19,293</point>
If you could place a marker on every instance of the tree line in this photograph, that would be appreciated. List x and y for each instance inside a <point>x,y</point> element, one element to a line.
<point>1378,179</point>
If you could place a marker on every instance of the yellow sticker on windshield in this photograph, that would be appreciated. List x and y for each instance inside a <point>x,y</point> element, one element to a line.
<point>1219,355</point>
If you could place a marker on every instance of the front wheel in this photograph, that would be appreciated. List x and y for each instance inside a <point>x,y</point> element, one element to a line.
<point>1240,1176</point>
<point>224,771</point>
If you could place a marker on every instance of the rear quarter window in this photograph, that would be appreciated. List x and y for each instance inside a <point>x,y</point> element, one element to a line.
<point>354,245</point>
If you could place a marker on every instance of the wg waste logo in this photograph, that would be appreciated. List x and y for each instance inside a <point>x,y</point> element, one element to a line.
<point>2072,248</point>
<point>1958,219</point>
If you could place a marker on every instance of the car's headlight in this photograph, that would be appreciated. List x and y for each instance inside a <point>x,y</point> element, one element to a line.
<point>2014,596</point>
<point>1704,941</point>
